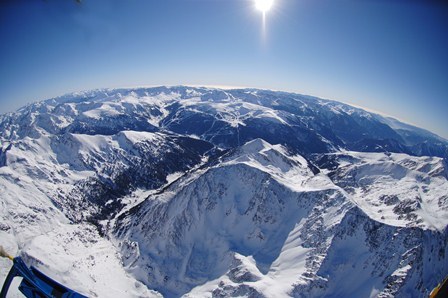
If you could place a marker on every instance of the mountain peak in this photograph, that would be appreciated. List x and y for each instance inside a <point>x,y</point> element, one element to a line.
<point>208,192</point>
<point>256,146</point>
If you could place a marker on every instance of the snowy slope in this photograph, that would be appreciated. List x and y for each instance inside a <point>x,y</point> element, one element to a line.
<point>395,189</point>
<point>261,223</point>
<point>208,192</point>
<point>226,118</point>
<point>51,182</point>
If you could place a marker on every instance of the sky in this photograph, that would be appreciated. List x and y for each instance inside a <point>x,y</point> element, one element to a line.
<point>388,56</point>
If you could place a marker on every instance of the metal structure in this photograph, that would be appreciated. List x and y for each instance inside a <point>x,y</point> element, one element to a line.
<point>35,284</point>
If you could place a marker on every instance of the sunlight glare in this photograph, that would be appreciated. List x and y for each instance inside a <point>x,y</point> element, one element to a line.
<point>263,5</point>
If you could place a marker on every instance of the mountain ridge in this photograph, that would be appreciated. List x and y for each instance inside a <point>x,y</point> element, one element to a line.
<point>219,193</point>
<point>80,96</point>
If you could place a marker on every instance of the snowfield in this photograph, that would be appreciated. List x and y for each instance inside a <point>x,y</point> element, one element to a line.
<point>199,192</point>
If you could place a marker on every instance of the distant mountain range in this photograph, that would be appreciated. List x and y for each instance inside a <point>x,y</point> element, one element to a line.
<point>205,192</point>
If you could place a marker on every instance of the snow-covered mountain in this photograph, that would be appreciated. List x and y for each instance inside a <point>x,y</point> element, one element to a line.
<point>205,192</point>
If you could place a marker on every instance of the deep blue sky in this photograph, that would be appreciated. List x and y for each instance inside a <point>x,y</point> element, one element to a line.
<point>387,56</point>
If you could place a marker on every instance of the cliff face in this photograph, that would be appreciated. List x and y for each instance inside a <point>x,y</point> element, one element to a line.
<point>262,223</point>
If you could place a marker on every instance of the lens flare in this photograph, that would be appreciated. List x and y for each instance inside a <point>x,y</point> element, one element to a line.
<point>264,5</point>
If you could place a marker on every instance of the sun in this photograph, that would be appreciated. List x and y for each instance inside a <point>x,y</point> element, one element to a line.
<point>263,5</point>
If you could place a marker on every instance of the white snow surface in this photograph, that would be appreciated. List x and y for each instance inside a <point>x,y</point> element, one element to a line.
<point>413,180</point>
<point>261,223</point>
<point>32,227</point>
<point>257,222</point>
